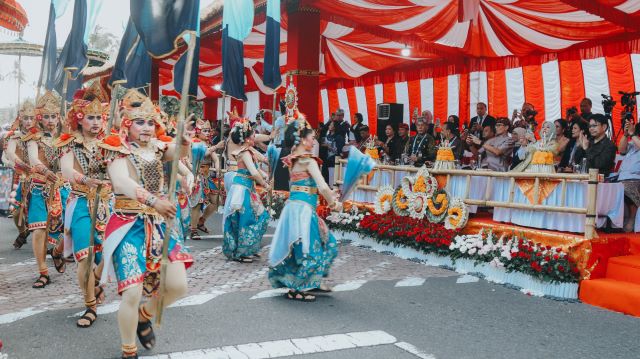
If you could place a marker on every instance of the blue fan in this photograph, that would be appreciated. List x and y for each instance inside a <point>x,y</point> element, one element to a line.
<point>358,165</point>
<point>273,154</point>
<point>198,151</point>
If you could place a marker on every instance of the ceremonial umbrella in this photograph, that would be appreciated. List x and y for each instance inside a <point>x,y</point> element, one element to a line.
<point>12,16</point>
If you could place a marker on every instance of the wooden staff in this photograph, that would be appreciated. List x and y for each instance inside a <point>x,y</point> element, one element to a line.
<point>272,170</point>
<point>184,101</point>
<point>96,200</point>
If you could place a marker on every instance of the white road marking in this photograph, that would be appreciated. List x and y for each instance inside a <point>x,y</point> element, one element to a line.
<point>289,347</point>
<point>197,299</point>
<point>270,293</point>
<point>12,317</point>
<point>413,350</point>
<point>411,282</point>
<point>351,285</point>
<point>467,279</point>
<point>108,308</point>
<point>220,236</point>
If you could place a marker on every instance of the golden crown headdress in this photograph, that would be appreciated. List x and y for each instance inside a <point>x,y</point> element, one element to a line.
<point>144,110</point>
<point>27,109</point>
<point>132,98</point>
<point>49,103</point>
<point>96,91</point>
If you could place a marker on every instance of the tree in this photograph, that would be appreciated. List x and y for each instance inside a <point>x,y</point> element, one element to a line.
<point>104,41</point>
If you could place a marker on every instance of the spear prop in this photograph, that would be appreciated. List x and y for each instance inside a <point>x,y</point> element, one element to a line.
<point>96,200</point>
<point>184,100</point>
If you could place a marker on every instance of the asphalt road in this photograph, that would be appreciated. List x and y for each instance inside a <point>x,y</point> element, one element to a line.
<point>440,316</point>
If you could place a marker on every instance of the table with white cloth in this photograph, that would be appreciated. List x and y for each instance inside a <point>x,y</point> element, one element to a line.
<point>456,187</point>
<point>609,204</point>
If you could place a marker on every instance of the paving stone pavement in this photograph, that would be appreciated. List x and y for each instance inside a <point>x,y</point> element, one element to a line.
<point>211,273</point>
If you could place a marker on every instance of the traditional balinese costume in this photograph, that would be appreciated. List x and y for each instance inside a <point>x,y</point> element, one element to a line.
<point>21,137</point>
<point>302,249</point>
<point>89,157</point>
<point>135,231</point>
<point>245,219</point>
<point>57,190</point>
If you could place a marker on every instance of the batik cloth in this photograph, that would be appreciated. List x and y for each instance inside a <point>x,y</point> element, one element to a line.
<point>245,219</point>
<point>302,249</point>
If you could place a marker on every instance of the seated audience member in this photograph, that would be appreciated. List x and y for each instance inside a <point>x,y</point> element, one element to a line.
<point>363,135</point>
<point>403,136</point>
<point>332,143</point>
<point>481,119</point>
<point>629,173</point>
<point>599,151</point>
<point>359,123</point>
<point>563,137</point>
<point>568,161</point>
<point>540,155</point>
<point>450,136</point>
<point>422,146</point>
<point>585,108</point>
<point>519,136</point>
<point>496,151</point>
<point>392,147</point>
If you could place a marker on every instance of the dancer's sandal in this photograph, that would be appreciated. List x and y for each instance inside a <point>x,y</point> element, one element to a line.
<point>89,316</point>
<point>202,228</point>
<point>195,235</point>
<point>40,283</point>
<point>244,260</point>
<point>58,261</point>
<point>300,296</point>
<point>257,255</point>
<point>145,334</point>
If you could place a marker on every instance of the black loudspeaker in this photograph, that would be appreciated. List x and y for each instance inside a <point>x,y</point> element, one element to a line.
<point>389,114</point>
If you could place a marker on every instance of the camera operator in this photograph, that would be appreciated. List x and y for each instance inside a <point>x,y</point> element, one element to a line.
<point>629,173</point>
<point>599,151</point>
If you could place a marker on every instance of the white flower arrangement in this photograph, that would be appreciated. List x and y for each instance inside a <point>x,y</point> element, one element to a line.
<point>457,215</point>
<point>384,197</point>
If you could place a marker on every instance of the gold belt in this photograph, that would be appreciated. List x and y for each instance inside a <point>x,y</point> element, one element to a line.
<point>127,205</point>
<point>38,178</point>
<point>86,190</point>
<point>305,189</point>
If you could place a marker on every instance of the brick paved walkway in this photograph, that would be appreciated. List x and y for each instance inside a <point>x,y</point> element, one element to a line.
<point>211,272</point>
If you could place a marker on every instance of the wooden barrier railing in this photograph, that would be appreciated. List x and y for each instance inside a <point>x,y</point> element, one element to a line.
<point>591,178</point>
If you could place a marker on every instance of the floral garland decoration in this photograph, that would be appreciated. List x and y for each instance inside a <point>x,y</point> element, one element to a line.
<point>458,215</point>
<point>384,199</point>
<point>425,182</point>
<point>400,202</point>
<point>438,205</point>
<point>418,206</point>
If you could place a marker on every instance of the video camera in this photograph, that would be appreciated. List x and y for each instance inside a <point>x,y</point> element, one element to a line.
<point>608,103</point>
<point>628,100</point>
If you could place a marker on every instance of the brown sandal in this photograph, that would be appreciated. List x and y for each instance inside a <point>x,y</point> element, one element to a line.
<point>40,283</point>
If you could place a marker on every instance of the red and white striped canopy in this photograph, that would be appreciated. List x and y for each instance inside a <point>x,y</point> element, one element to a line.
<point>461,47</point>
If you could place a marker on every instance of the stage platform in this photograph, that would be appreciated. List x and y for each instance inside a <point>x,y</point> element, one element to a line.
<point>609,264</point>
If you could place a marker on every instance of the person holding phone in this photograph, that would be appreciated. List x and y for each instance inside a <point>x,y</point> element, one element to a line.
<point>629,173</point>
<point>579,127</point>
